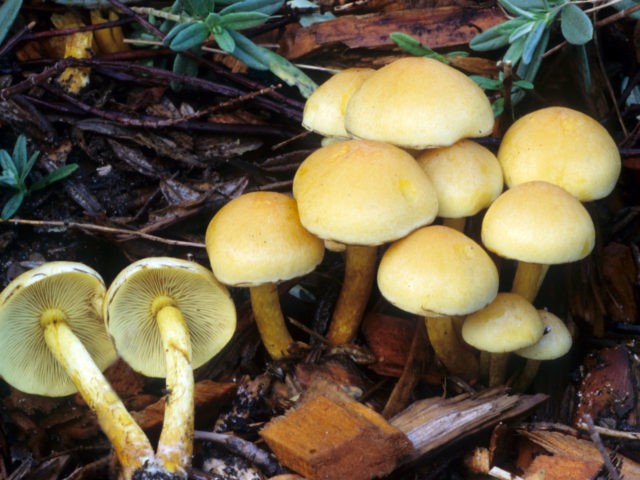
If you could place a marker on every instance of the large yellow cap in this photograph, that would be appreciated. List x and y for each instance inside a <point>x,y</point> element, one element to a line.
<point>437,270</point>
<point>418,102</point>
<point>363,193</point>
<point>467,177</point>
<point>324,110</point>
<point>257,238</point>
<point>564,147</point>
<point>538,222</point>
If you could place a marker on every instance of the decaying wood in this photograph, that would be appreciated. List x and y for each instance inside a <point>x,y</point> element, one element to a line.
<point>333,436</point>
<point>434,422</point>
<point>435,27</point>
<point>558,467</point>
<point>566,445</point>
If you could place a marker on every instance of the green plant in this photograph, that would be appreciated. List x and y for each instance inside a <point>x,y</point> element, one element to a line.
<point>189,23</point>
<point>8,13</point>
<point>16,168</point>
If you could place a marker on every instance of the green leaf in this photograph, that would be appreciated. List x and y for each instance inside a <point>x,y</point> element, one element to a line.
<point>486,83</point>
<point>176,30</point>
<point>8,13</point>
<point>199,8</point>
<point>12,205</point>
<point>183,65</point>
<point>8,167</point>
<point>242,20</point>
<point>496,36</point>
<point>279,66</point>
<point>530,5</point>
<point>29,165</point>
<point>517,10</point>
<point>20,154</point>
<point>414,47</point>
<point>576,25</point>
<point>268,7</point>
<point>498,107</point>
<point>524,84</point>
<point>54,176</point>
<point>514,52</point>
<point>624,4</point>
<point>531,44</point>
<point>190,37</point>
<point>528,71</point>
<point>224,40</point>
<point>521,31</point>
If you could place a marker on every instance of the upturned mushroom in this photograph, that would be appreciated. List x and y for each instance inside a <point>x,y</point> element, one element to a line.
<point>361,194</point>
<point>416,103</point>
<point>440,273</point>
<point>256,240</point>
<point>54,343</point>
<point>168,316</point>
<point>562,146</point>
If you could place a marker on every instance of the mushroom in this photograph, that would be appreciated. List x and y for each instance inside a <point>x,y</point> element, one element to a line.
<point>418,102</point>
<point>362,194</point>
<point>561,146</point>
<point>324,110</point>
<point>508,323</point>
<point>555,343</point>
<point>168,316</point>
<point>440,273</point>
<point>467,178</point>
<point>54,342</point>
<point>538,224</point>
<point>257,240</point>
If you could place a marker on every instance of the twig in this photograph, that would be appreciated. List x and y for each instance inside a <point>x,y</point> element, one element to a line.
<point>609,432</point>
<point>597,441</point>
<point>497,472</point>
<point>248,450</point>
<point>100,228</point>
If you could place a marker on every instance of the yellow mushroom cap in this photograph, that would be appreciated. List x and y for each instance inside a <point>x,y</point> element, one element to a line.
<point>437,270</point>
<point>508,323</point>
<point>467,177</point>
<point>78,292</point>
<point>555,342</point>
<point>538,222</point>
<point>324,110</point>
<point>363,193</point>
<point>564,147</point>
<point>257,238</point>
<point>129,312</point>
<point>418,102</point>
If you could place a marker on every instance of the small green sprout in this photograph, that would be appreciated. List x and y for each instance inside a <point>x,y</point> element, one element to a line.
<point>15,170</point>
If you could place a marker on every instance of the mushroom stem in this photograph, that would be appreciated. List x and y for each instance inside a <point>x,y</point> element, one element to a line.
<point>132,447</point>
<point>448,348</point>
<point>175,446</point>
<point>498,368</point>
<point>265,303</point>
<point>359,274</point>
<point>527,375</point>
<point>528,279</point>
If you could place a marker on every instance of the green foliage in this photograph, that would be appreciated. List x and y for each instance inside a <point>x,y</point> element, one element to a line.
<point>8,13</point>
<point>414,47</point>
<point>194,21</point>
<point>15,169</point>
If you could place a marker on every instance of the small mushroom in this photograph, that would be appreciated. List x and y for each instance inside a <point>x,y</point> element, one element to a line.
<point>418,102</point>
<point>555,343</point>
<point>257,240</point>
<point>168,316</point>
<point>562,146</point>
<point>361,194</point>
<point>440,273</point>
<point>54,342</point>
<point>507,324</point>
<point>324,110</point>
<point>467,178</point>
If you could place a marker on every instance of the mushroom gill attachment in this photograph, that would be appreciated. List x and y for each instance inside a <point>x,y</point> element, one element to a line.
<point>54,343</point>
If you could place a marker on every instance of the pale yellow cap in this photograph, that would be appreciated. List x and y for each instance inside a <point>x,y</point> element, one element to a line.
<point>538,222</point>
<point>418,102</point>
<point>437,270</point>
<point>363,193</point>
<point>324,110</point>
<point>555,342</point>
<point>257,238</point>
<point>564,147</point>
<point>467,177</point>
<point>205,305</point>
<point>508,323</point>
<point>78,292</point>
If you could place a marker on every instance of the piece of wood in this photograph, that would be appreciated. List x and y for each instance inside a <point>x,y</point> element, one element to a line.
<point>435,422</point>
<point>558,467</point>
<point>435,27</point>
<point>335,437</point>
